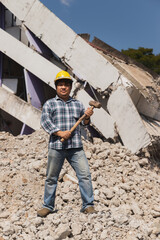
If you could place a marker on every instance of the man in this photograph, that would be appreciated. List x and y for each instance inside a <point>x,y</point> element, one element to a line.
<point>58,116</point>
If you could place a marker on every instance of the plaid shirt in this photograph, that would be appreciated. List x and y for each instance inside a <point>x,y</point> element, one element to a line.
<point>58,115</point>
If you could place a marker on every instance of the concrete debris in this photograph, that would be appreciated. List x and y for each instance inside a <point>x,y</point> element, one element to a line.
<point>129,93</point>
<point>126,190</point>
<point>67,177</point>
<point>145,80</point>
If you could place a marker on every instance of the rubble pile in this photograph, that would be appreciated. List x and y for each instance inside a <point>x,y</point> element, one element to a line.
<point>126,190</point>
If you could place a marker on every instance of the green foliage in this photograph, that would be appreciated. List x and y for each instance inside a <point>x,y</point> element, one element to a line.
<point>144,56</point>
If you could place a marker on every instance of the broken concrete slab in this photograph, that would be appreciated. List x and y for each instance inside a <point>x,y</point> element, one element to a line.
<point>136,72</point>
<point>20,109</point>
<point>149,96</point>
<point>150,109</point>
<point>144,106</point>
<point>53,32</point>
<point>140,82</point>
<point>90,65</point>
<point>129,124</point>
<point>29,59</point>
<point>70,178</point>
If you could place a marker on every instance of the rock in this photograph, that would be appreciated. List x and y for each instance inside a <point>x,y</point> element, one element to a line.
<point>104,234</point>
<point>156,208</point>
<point>62,173</point>
<point>156,228</point>
<point>38,221</point>
<point>136,209</point>
<point>68,177</point>
<point>62,232</point>
<point>143,162</point>
<point>97,141</point>
<point>96,192</point>
<point>8,228</point>
<point>126,187</point>
<point>135,223</point>
<point>120,219</point>
<point>4,214</point>
<point>109,194</point>
<point>76,228</point>
<point>88,154</point>
<point>155,214</point>
<point>130,236</point>
<point>67,197</point>
<point>36,165</point>
<point>43,234</point>
<point>103,155</point>
<point>101,181</point>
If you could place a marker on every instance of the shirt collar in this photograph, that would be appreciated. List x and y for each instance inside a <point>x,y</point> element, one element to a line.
<point>69,100</point>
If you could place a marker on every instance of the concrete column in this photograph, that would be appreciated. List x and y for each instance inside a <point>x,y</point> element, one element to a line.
<point>35,95</point>
<point>34,89</point>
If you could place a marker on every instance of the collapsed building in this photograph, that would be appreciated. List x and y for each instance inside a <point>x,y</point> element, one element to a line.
<point>34,50</point>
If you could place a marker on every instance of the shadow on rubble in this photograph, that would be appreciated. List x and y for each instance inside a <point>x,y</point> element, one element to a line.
<point>152,153</point>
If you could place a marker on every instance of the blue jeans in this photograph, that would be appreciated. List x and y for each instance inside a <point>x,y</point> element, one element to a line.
<point>77,159</point>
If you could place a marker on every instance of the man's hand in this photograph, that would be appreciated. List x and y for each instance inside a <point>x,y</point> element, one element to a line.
<point>88,113</point>
<point>63,134</point>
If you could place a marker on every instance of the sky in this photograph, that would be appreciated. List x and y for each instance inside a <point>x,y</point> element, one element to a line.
<point>122,24</point>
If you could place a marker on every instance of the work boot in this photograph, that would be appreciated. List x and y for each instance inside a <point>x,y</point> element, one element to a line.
<point>43,212</point>
<point>89,210</point>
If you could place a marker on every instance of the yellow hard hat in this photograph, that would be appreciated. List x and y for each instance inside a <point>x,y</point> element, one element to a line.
<point>63,75</point>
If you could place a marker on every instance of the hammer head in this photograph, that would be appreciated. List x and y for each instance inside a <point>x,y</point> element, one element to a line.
<point>95,104</point>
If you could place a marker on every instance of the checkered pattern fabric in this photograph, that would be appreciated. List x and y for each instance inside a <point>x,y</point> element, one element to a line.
<point>58,115</point>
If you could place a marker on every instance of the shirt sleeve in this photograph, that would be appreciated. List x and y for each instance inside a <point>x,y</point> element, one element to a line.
<point>82,109</point>
<point>46,120</point>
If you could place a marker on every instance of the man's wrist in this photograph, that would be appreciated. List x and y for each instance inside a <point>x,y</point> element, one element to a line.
<point>87,118</point>
<point>57,133</point>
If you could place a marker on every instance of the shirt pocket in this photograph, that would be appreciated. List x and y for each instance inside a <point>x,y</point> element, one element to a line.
<point>76,116</point>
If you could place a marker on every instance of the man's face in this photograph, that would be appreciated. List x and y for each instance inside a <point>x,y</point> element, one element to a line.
<point>63,89</point>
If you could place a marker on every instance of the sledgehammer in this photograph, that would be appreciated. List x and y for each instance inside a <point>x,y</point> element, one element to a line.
<point>93,105</point>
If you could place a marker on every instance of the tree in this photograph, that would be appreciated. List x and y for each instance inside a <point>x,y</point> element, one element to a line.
<point>144,56</point>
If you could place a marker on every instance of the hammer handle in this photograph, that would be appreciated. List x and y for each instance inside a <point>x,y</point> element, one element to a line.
<point>77,123</point>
